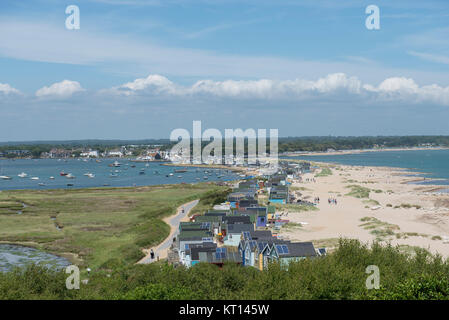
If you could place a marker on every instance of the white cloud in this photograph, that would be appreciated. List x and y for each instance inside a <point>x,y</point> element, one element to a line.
<point>333,86</point>
<point>263,88</point>
<point>337,86</point>
<point>63,89</point>
<point>154,83</point>
<point>7,89</point>
<point>407,89</point>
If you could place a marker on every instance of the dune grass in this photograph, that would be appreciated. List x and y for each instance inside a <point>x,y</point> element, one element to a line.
<point>324,172</point>
<point>358,191</point>
<point>382,230</point>
<point>294,207</point>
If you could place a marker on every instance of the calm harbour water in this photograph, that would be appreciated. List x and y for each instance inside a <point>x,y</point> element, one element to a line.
<point>434,164</point>
<point>123,176</point>
<point>18,256</point>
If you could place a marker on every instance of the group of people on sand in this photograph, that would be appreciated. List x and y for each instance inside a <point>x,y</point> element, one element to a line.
<point>332,201</point>
<point>310,180</point>
<point>316,200</point>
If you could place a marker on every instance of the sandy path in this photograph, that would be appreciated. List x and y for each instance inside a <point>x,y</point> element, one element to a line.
<point>173,221</point>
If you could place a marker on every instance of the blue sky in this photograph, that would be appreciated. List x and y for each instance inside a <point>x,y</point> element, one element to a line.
<point>141,68</point>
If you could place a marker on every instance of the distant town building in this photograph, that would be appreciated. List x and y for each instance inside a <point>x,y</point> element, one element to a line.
<point>90,154</point>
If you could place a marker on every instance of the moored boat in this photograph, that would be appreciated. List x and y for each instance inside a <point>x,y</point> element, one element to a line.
<point>115,164</point>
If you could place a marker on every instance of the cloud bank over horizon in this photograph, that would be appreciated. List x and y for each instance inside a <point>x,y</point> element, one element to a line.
<point>346,88</point>
<point>150,107</point>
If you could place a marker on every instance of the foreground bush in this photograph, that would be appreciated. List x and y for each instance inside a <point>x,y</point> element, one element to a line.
<point>340,275</point>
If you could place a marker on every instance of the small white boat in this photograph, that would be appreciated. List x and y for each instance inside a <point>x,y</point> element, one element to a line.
<point>52,178</point>
<point>34,178</point>
<point>115,164</point>
<point>22,175</point>
<point>170,174</point>
<point>90,175</point>
<point>41,184</point>
<point>70,176</point>
<point>5,178</point>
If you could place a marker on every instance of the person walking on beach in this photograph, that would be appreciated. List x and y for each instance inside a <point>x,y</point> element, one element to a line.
<point>152,254</point>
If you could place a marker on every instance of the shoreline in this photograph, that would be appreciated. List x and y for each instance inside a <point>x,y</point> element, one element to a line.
<point>414,175</point>
<point>357,151</point>
<point>205,166</point>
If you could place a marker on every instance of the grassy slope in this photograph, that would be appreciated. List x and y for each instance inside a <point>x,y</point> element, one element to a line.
<point>102,227</point>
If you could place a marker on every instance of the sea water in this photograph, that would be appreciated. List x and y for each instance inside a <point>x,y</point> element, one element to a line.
<point>432,164</point>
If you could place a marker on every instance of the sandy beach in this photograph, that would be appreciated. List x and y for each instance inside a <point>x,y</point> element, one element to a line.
<point>355,151</point>
<point>372,203</point>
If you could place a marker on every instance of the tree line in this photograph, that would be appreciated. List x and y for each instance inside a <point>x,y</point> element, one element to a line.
<point>285,144</point>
